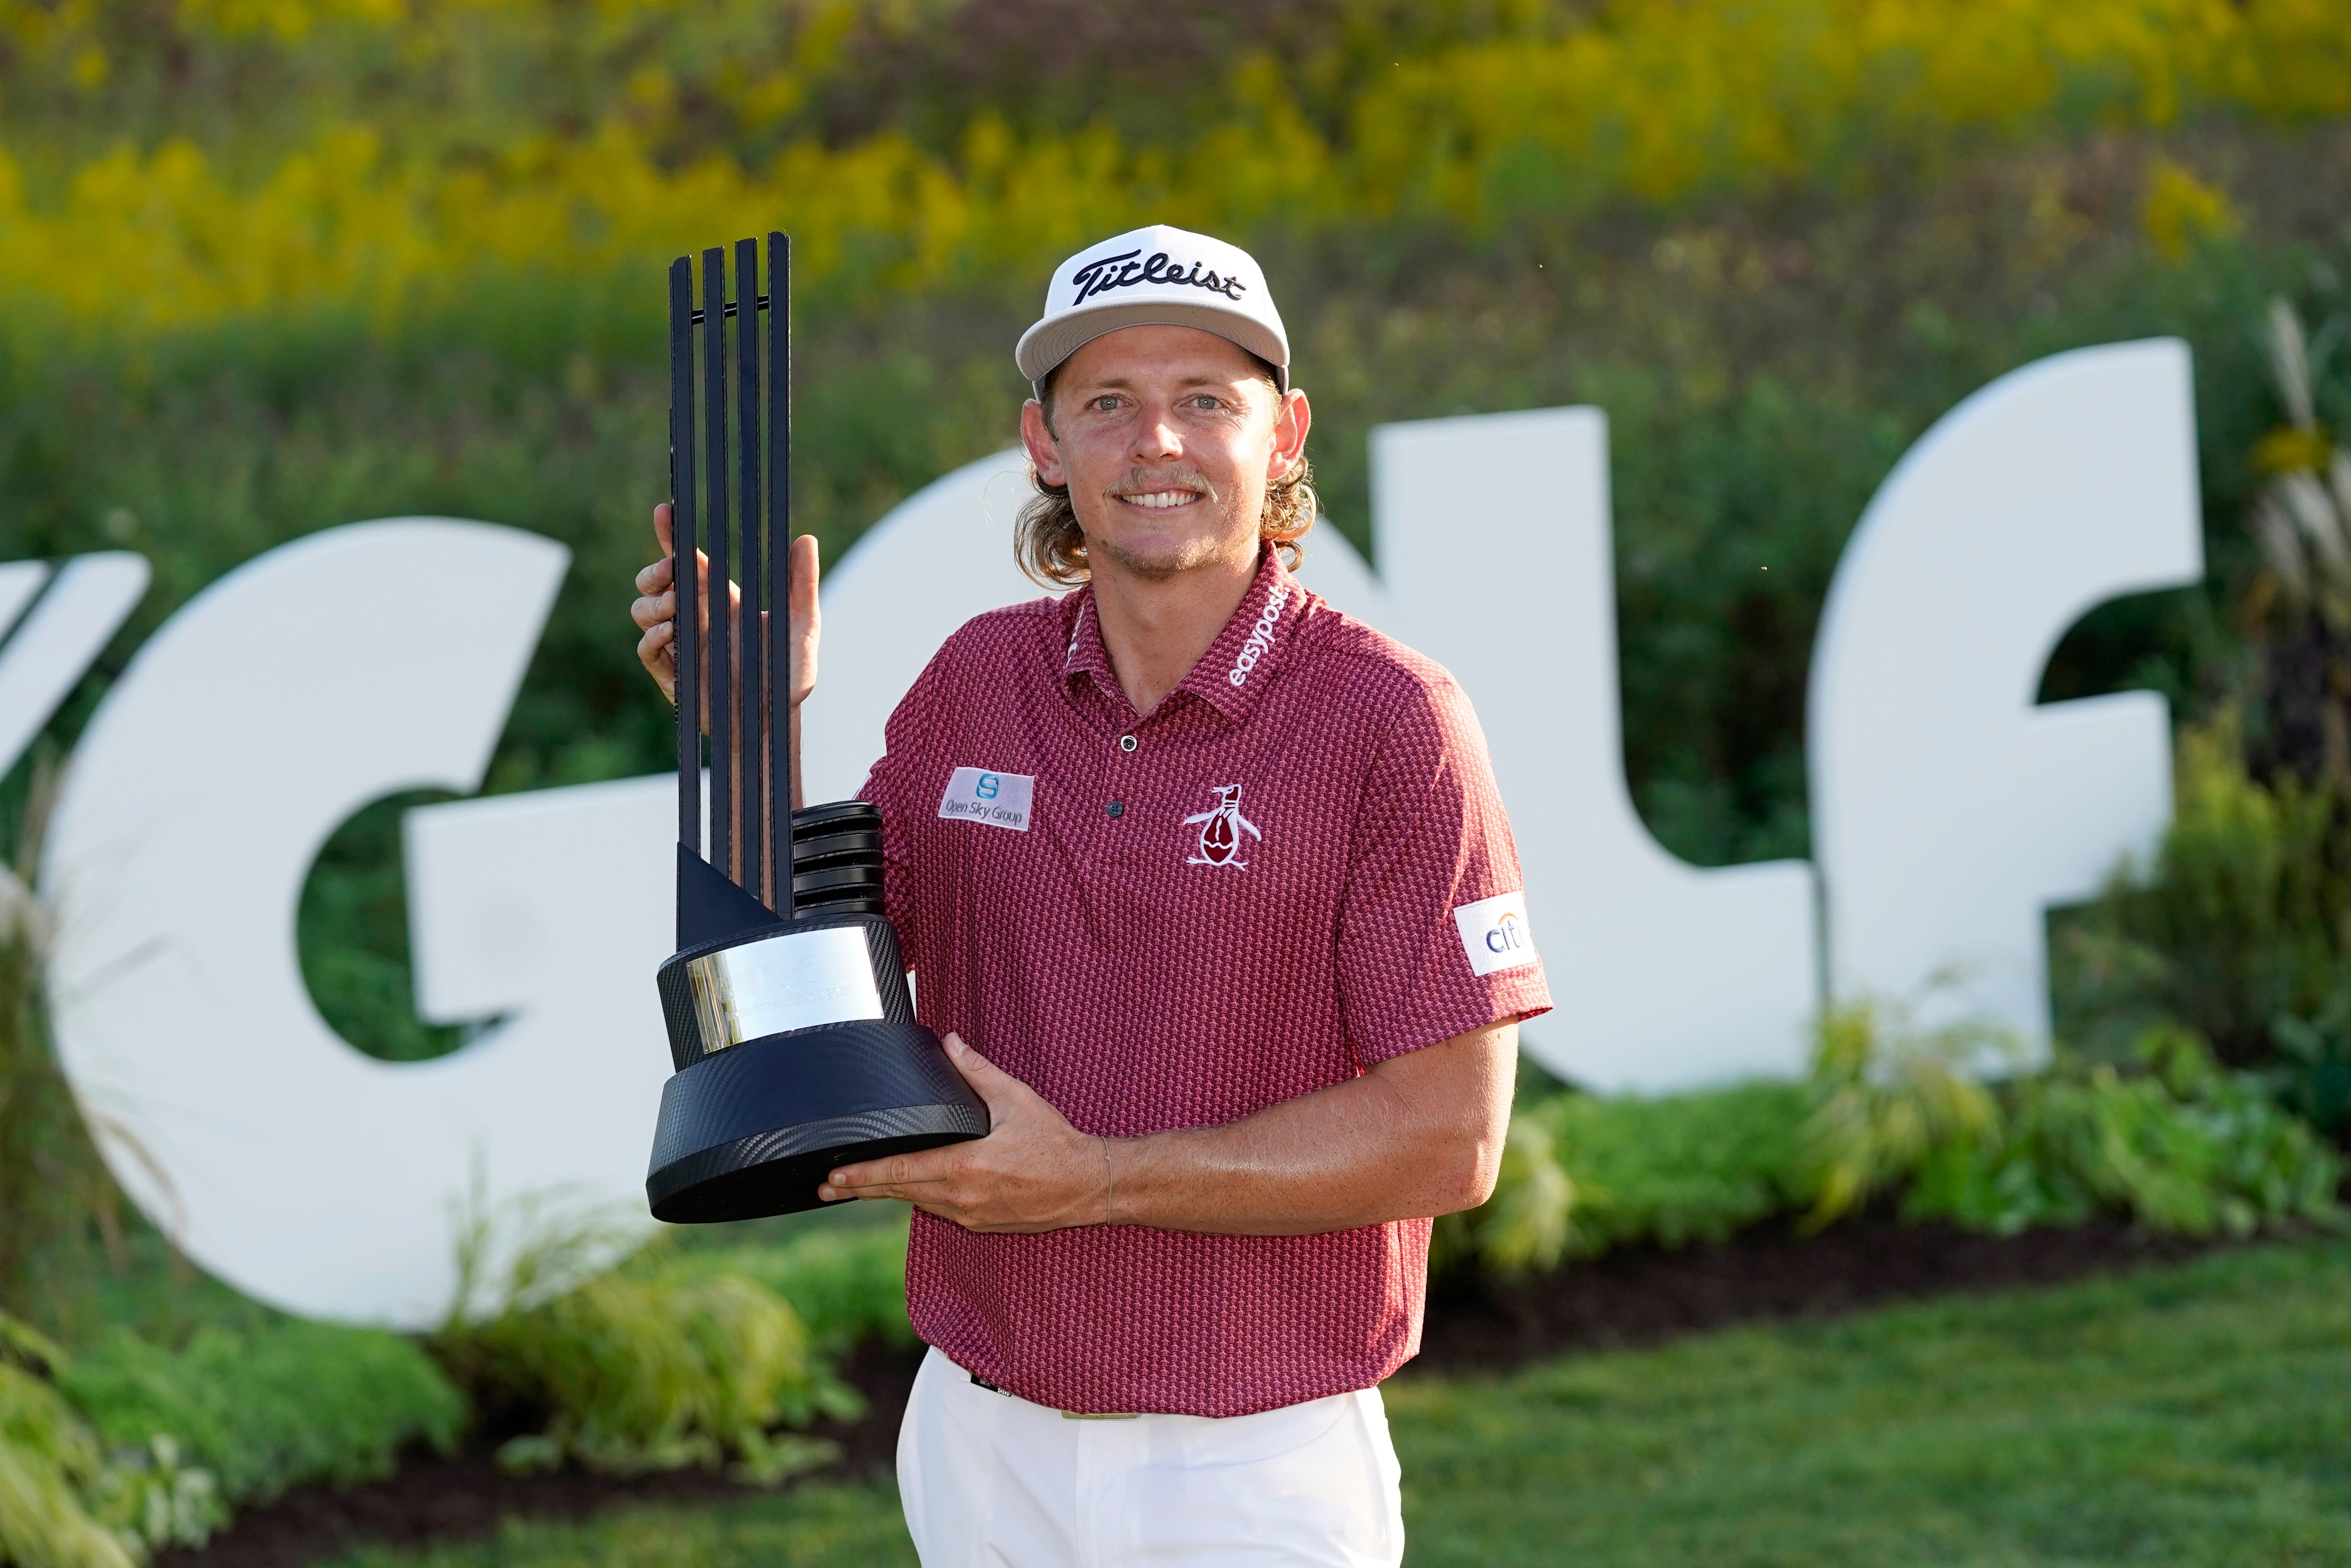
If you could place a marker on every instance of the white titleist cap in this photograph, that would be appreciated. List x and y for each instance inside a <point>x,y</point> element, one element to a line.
<point>1155,277</point>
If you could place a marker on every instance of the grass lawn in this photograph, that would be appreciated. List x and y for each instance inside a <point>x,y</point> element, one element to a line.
<point>2197,1415</point>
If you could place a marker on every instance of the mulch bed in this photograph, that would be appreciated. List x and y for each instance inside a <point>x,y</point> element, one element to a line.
<point>1644,1296</point>
<point>1636,1297</point>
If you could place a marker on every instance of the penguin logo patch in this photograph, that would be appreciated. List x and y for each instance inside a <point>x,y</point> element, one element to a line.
<point>1221,827</point>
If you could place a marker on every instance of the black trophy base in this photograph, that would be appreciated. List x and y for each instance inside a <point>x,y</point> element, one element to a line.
<point>795,1041</point>
<point>754,1130</point>
<point>744,1185</point>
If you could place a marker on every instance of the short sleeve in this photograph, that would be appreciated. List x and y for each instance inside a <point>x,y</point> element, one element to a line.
<point>889,788</point>
<point>1434,937</point>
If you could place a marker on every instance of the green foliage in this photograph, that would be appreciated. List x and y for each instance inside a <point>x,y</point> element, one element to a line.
<point>1582,1174</point>
<point>51,1187</point>
<point>847,1283</point>
<point>2178,1144</point>
<point>1889,1091</point>
<point>152,1495</point>
<point>2241,930</point>
<point>41,1146</point>
<point>650,1367</point>
<point>2183,1147</point>
<point>49,1463</point>
<point>1678,1168</point>
<point>267,1408</point>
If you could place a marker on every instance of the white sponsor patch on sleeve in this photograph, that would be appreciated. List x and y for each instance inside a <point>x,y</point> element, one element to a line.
<point>999,799</point>
<point>1494,933</point>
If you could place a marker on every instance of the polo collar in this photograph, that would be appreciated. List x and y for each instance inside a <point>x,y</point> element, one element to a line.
<point>1239,664</point>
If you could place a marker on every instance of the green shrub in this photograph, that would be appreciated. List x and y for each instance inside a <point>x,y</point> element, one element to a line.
<point>154,1495</point>
<point>847,1283</point>
<point>1582,1174</point>
<point>289,1405</point>
<point>2184,1146</point>
<point>1887,1091</point>
<point>48,1463</point>
<point>1677,1168</point>
<point>652,1366</point>
<point>64,1506</point>
<point>2178,1144</point>
<point>2241,930</point>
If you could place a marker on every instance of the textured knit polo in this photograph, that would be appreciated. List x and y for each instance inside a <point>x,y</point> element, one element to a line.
<point>1173,920</point>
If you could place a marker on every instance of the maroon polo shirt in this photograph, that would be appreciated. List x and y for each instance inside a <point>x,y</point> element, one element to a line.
<point>1291,868</point>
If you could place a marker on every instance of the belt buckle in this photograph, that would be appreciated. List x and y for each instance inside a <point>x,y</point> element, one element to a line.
<point>1067,1415</point>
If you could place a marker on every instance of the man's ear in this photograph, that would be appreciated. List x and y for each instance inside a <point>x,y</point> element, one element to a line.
<point>1291,423</point>
<point>1038,437</point>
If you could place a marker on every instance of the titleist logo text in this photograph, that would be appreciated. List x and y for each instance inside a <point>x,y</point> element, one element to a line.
<point>1122,271</point>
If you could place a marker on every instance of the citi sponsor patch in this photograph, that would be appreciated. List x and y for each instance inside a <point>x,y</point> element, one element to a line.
<point>999,800</point>
<point>1494,933</point>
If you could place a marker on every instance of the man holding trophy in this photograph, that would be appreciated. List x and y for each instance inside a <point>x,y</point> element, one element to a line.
<point>1208,888</point>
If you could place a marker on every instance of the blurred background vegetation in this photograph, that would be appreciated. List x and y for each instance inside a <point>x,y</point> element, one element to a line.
<point>272,265</point>
<point>266,266</point>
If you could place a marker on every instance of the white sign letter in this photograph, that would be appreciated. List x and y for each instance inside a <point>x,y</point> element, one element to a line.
<point>327,674</point>
<point>1494,533</point>
<point>1949,812</point>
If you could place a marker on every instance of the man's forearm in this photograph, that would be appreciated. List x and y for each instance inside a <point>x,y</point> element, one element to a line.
<point>1415,1136</point>
<point>1419,1134</point>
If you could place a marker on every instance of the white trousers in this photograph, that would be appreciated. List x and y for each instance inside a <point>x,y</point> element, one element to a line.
<point>990,1481</point>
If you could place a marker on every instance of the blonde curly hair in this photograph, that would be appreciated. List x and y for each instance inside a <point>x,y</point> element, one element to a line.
<point>1051,547</point>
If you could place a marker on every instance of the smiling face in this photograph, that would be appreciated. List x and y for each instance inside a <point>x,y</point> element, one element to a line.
<point>1167,438</point>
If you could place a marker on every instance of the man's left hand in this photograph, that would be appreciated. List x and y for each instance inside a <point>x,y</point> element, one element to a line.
<point>1032,1172</point>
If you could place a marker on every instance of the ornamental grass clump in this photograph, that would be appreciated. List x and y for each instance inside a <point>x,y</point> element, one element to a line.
<point>52,1188</point>
<point>847,1282</point>
<point>1888,1092</point>
<point>653,1366</point>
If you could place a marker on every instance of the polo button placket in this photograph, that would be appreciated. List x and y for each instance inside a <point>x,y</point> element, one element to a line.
<point>1093,779</point>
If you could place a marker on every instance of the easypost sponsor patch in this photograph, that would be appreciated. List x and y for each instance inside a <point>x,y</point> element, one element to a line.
<point>999,800</point>
<point>1494,933</point>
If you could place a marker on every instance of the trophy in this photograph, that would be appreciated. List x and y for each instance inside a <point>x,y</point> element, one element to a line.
<point>791,1028</point>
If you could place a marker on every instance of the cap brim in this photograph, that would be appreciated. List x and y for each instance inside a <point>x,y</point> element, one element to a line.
<point>1050,341</point>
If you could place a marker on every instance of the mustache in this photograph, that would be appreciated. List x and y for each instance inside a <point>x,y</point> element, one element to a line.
<point>1143,481</point>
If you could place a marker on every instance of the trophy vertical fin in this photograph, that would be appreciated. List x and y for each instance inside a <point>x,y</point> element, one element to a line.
<point>781,769</point>
<point>685,646</point>
<point>752,792</point>
<point>721,613</point>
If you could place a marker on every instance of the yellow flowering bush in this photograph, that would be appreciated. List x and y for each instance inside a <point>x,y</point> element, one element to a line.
<point>371,200</point>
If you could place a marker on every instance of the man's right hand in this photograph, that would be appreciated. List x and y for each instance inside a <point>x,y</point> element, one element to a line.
<point>655,611</point>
